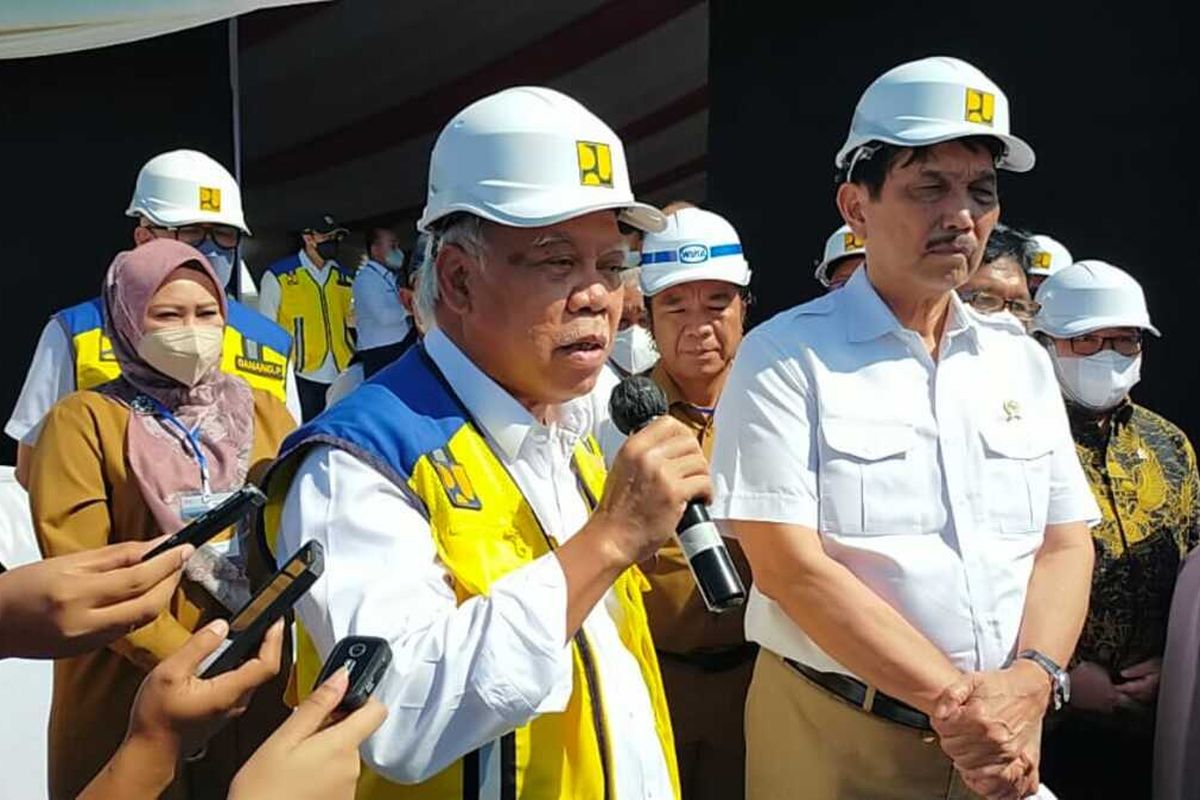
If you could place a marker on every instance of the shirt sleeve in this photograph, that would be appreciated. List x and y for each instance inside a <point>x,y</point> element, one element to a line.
<point>292,394</point>
<point>268,297</point>
<point>764,460</point>
<point>461,675</point>
<point>51,377</point>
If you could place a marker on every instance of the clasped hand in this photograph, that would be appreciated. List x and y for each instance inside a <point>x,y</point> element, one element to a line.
<point>990,724</point>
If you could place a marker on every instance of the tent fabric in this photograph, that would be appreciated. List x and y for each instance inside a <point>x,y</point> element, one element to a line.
<point>62,26</point>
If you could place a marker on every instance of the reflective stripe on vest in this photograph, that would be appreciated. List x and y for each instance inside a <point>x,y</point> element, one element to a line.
<point>315,314</point>
<point>407,424</point>
<point>255,348</point>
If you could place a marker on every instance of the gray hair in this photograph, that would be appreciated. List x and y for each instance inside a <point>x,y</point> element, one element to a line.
<point>462,230</point>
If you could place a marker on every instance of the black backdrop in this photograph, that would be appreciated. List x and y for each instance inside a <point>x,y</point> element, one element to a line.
<point>1106,96</point>
<point>74,129</point>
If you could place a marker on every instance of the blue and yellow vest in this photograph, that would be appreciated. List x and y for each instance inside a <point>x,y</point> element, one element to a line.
<point>407,423</point>
<point>317,314</point>
<point>255,349</point>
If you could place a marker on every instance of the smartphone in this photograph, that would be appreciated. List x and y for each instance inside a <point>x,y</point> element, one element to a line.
<point>249,625</point>
<point>366,658</point>
<point>213,521</point>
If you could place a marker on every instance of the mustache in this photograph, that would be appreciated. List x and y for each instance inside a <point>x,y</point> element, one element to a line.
<point>962,241</point>
<point>583,333</point>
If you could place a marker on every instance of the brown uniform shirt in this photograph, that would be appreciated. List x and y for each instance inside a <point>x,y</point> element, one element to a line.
<point>83,497</point>
<point>679,620</point>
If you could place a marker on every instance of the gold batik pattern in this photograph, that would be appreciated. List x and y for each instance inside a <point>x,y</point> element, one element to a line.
<point>1142,471</point>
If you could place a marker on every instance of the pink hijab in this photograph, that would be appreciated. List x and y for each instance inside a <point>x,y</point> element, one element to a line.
<point>219,407</point>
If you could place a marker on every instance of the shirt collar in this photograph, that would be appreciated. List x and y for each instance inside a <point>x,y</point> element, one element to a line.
<point>870,317</point>
<point>674,394</point>
<point>498,414</point>
<point>307,263</point>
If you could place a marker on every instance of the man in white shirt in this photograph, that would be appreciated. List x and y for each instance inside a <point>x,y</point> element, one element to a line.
<point>463,504</point>
<point>383,325</point>
<point>902,479</point>
<point>309,294</point>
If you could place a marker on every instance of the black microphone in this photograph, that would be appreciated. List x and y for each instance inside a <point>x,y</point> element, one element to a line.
<point>634,403</point>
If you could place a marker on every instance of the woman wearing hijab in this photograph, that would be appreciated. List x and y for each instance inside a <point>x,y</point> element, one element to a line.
<point>134,459</point>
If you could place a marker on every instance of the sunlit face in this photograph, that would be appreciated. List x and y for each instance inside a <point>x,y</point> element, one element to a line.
<point>187,297</point>
<point>698,326</point>
<point>1116,337</point>
<point>927,229</point>
<point>633,308</point>
<point>539,313</point>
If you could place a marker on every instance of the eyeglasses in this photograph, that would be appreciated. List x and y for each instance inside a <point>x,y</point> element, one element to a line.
<point>225,236</point>
<point>989,303</point>
<point>1127,344</point>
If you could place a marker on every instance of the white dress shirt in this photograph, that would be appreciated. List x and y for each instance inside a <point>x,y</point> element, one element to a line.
<point>381,317</point>
<point>270,295</point>
<point>464,675</point>
<point>51,377</point>
<point>932,481</point>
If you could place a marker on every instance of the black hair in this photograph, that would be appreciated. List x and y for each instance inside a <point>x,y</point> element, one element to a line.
<point>372,235</point>
<point>1007,242</point>
<point>872,167</point>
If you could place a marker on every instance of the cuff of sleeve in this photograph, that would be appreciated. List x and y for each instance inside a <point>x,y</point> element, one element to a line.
<point>529,670</point>
<point>1081,510</point>
<point>772,507</point>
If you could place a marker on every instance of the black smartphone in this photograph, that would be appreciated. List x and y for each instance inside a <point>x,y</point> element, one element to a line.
<point>249,625</point>
<point>213,521</point>
<point>366,658</point>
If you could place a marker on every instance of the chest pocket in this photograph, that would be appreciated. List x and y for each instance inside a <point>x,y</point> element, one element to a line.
<point>1016,470</point>
<point>867,482</point>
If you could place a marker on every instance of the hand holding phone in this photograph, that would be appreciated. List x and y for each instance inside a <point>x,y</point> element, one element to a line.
<point>247,627</point>
<point>366,659</point>
<point>212,522</point>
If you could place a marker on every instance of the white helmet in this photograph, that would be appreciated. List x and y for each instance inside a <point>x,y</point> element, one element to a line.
<point>842,243</point>
<point>1050,256</point>
<point>186,187</point>
<point>697,245</point>
<point>530,156</point>
<point>934,100</point>
<point>1087,297</point>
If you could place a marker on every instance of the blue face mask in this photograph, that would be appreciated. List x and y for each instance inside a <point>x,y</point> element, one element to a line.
<point>220,258</point>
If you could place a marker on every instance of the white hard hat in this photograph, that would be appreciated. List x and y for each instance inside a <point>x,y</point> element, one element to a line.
<point>527,157</point>
<point>1087,297</point>
<point>842,243</point>
<point>1050,256</point>
<point>934,100</point>
<point>697,245</point>
<point>186,187</point>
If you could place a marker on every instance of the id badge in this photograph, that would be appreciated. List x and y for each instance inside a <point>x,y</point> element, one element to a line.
<point>197,504</point>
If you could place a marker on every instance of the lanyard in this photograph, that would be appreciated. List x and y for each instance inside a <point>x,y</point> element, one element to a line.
<point>193,438</point>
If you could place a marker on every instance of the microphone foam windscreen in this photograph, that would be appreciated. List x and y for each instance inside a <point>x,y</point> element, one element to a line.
<point>634,402</point>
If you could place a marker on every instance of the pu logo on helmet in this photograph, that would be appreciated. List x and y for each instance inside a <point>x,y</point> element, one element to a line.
<point>981,107</point>
<point>210,198</point>
<point>595,164</point>
<point>852,241</point>
<point>693,254</point>
<point>1041,259</point>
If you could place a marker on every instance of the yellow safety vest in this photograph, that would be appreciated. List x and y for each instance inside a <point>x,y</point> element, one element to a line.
<point>255,348</point>
<point>407,423</point>
<point>316,314</point>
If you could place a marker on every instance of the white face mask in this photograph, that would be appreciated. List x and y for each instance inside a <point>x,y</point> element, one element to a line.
<point>187,353</point>
<point>395,258</point>
<point>1097,382</point>
<point>634,350</point>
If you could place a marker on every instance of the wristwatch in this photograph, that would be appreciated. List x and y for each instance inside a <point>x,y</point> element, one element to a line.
<point>1060,679</point>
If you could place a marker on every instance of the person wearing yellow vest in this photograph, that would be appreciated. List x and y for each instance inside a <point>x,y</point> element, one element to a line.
<point>464,505</point>
<point>184,195</point>
<point>310,295</point>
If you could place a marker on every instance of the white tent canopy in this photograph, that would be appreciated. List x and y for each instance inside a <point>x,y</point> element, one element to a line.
<point>46,27</point>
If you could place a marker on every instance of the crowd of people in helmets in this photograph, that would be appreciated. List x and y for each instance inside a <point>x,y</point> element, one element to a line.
<point>965,545</point>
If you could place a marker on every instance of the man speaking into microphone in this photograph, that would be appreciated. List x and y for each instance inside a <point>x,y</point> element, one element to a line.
<point>462,500</point>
